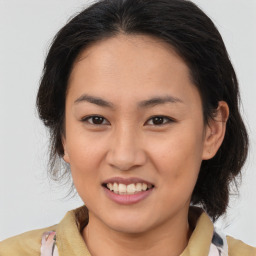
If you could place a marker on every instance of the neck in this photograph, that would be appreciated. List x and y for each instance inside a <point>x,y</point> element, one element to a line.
<point>167,239</point>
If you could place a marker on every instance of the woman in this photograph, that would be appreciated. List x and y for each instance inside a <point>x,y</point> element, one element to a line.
<point>142,104</point>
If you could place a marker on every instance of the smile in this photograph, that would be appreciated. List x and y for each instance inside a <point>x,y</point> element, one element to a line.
<point>129,189</point>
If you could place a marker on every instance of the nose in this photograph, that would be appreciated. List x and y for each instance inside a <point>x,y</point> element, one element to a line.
<point>125,151</point>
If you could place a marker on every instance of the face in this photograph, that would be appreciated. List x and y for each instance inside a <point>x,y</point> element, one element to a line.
<point>134,133</point>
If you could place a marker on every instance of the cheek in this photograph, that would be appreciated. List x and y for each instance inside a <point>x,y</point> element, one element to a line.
<point>178,157</point>
<point>82,147</point>
<point>178,169</point>
<point>84,165</point>
<point>85,157</point>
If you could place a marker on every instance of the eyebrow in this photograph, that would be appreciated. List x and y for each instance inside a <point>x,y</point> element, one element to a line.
<point>159,100</point>
<point>95,100</point>
<point>143,104</point>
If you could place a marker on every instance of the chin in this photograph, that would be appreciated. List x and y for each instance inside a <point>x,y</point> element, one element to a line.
<point>127,228</point>
<point>130,225</point>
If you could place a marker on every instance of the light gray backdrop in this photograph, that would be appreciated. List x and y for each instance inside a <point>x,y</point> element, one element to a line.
<point>27,199</point>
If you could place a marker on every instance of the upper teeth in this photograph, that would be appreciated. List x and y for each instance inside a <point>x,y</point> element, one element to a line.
<point>128,189</point>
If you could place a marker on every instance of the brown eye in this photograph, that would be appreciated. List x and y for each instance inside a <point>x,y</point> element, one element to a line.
<point>159,120</point>
<point>96,120</point>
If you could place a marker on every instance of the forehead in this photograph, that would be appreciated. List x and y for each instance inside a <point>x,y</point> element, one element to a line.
<point>135,64</point>
<point>123,42</point>
<point>131,54</point>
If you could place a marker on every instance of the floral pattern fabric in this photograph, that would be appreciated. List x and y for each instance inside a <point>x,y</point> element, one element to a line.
<point>218,246</point>
<point>48,244</point>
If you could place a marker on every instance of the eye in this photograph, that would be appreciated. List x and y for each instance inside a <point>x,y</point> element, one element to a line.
<point>95,120</point>
<point>159,120</point>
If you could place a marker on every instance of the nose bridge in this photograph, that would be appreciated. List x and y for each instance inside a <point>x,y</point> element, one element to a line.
<point>126,150</point>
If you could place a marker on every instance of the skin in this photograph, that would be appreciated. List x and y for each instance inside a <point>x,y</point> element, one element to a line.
<point>125,71</point>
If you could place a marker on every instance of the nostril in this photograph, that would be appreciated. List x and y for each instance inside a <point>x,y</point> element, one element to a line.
<point>125,157</point>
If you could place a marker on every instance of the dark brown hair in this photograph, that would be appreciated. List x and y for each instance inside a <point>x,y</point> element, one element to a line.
<point>195,38</point>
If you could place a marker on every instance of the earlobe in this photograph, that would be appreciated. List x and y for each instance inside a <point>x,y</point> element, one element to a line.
<point>215,131</point>
<point>65,155</point>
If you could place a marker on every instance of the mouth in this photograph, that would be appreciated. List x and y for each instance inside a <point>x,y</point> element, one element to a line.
<point>127,191</point>
<point>120,188</point>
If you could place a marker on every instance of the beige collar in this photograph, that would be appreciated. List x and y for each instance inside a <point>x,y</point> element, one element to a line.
<point>70,240</point>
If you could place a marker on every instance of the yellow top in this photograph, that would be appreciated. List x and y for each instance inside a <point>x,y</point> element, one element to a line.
<point>70,241</point>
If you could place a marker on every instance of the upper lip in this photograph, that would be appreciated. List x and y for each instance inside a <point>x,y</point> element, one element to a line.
<point>126,181</point>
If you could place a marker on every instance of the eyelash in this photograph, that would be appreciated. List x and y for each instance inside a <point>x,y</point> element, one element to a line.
<point>166,118</point>
<point>87,118</point>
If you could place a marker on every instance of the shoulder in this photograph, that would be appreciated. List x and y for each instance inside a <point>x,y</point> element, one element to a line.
<point>238,248</point>
<point>26,244</point>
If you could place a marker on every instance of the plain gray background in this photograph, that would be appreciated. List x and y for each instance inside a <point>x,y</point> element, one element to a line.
<point>28,200</point>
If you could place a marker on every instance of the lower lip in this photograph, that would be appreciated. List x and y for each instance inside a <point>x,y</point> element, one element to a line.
<point>127,199</point>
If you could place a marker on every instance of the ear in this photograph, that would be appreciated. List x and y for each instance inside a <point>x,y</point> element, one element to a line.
<point>65,155</point>
<point>215,131</point>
